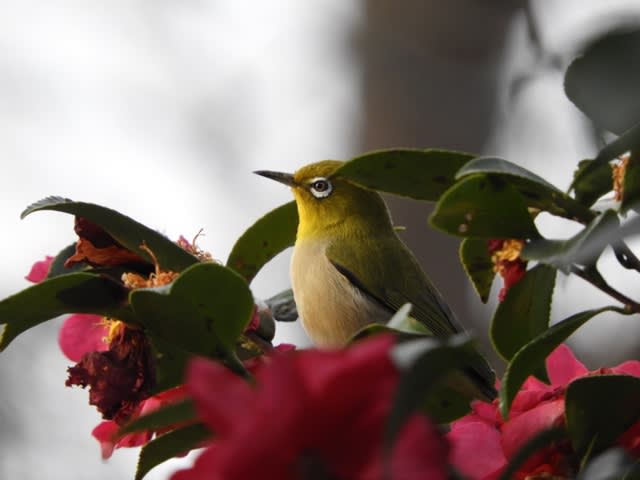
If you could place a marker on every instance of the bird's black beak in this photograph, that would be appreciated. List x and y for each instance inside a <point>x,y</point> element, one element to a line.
<point>285,178</point>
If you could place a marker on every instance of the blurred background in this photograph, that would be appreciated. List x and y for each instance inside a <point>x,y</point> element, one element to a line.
<point>162,110</point>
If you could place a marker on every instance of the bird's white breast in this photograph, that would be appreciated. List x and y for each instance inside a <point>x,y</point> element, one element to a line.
<point>330,307</point>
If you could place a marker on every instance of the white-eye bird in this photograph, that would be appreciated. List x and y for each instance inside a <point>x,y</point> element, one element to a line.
<point>349,267</point>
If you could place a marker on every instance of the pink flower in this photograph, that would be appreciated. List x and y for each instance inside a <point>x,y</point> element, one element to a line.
<point>483,442</point>
<point>40,270</point>
<point>311,411</point>
<point>106,431</point>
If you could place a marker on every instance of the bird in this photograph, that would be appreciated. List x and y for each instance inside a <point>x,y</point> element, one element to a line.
<point>350,269</point>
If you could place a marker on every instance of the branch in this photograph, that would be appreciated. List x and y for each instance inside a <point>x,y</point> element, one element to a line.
<point>593,276</point>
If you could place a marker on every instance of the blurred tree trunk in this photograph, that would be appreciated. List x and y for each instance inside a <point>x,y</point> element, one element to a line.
<point>429,79</point>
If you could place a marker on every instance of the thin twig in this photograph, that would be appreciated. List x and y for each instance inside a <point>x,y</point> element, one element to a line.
<point>592,275</point>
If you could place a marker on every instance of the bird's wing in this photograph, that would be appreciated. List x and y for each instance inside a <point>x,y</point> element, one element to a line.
<point>401,280</point>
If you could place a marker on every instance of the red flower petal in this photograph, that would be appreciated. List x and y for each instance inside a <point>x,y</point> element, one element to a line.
<point>40,270</point>
<point>563,366</point>
<point>419,452</point>
<point>476,449</point>
<point>630,367</point>
<point>105,433</point>
<point>82,333</point>
<point>516,432</point>
<point>221,397</point>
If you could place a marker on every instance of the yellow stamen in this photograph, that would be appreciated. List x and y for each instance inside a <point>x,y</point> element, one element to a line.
<point>617,172</point>
<point>510,252</point>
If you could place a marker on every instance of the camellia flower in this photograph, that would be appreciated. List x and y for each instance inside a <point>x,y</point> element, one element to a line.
<point>106,431</point>
<point>505,255</point>
<point>311,414</point>
<point>483,442</point>
<point>114,360</point>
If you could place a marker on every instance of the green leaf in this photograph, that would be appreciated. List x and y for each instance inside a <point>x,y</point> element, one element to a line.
<point>591,181</point>
<point>584,248</point>
<point>266,238</point>
<point>629,140</point>
<point>169,445</point>
<point>631,183</point>
<point>535,190</point>
<point>531,357</point>
<point>483,206</point>
<point>57,266</point>
<point>599,409</point>
<point>426,365</point>
<point>203,311</point>
<point>537,442</point>
<point>165,416</point>
<point>71,293</point>
<point>170,361</point>
<point>476,260</point>
<point>126,231</point>
<point>524,312</point>
<point>419,174</point>
<point>603,82</point>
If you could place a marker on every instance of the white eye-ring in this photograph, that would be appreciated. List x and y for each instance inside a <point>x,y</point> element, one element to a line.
<point>320,187</point>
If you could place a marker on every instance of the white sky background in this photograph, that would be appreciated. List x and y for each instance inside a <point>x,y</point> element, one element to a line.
<point>161,110</point>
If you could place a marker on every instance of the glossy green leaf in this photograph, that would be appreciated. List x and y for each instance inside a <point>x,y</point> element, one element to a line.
<point>537,442</point>
<point>170,361</point>
<point>531,357</point>
<point>483,206</point>
<point>629,140</point>
<point>203,311</point>
<point>603,82</point>
<point>591,181</point>
<point>524,312</point>
<point>584,248</point>
<point>536,191</point>
<point>72,293</point>
<point>476,260</point>
<point>599,408</point>
<point>163,417</point>
<point>169,445</point>
<point>57,266</point>
<point>419,174</point>
<point>266,238</point>
<point>631,184</point>
<point>126,231</point>
<point>431,370</point>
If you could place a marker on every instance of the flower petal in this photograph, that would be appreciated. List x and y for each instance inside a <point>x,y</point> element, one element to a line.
<point>563,366</point>
<point>82,333</point>
<point>476,450</point>
<point>106,432</point>
<point>420,452</point>
<point>40,270</point>
<point>221,397</point>
<point>630,367</point>
<point>516,432</point>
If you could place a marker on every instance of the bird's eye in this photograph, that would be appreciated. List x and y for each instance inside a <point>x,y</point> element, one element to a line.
<point>320,187</point>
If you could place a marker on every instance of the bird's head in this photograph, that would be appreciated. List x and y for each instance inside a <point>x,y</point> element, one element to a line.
<point>330,204</point>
